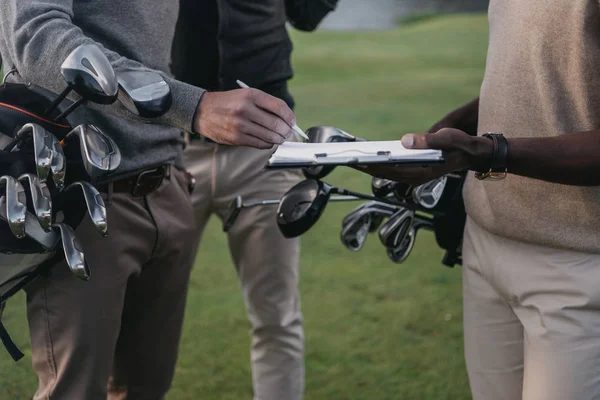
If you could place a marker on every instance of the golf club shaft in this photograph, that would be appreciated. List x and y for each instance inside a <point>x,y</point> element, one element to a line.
<point>69,109</point>
<point>272,202</point>
<point>57,101</point>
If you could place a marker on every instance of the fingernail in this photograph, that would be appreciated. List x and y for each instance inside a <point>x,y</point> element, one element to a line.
<point>408,141</point>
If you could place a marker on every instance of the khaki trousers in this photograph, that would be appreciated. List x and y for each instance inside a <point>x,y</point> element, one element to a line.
<point>531,320</point>
<point>266,262</point>
<point>125,322</point>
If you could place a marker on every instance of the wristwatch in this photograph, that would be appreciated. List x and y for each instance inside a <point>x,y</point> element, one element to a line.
<point>497,170</point>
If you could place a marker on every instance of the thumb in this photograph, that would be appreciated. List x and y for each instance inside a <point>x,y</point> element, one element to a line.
<point>415,141</point>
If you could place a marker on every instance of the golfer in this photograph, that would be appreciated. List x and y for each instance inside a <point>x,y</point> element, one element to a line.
<point>531,271</point>
<point>217,43</point>
<point>125,323</point>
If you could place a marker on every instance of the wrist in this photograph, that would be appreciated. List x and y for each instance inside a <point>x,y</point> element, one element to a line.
<point>492,156</point>
<point>200,111</point>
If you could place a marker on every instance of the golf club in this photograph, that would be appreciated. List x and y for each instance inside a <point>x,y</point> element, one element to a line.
<point>400,253</point>
<point>238,204</point>
<point>363,220</point>
<point>41,152</point>
<point>88,72</point>
<point>325,134</point>
<point>355,231</point>
<point>99,153</point>
<point>40,200</point>
<point>73,254</point>
<point>144,93</point>
<point>95,205</point>
<point>15,209</point>
<point>393,232</point>
<point>33,230</point>
<point>429,194</point>
<point>302,206</point>
<point>378,210</point>
<point>48,154</point>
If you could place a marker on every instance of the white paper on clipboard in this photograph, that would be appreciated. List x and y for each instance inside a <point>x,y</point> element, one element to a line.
<point>347,153</point>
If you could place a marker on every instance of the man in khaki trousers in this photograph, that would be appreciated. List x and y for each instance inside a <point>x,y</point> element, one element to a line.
<point>531,248</point>
<point>216,43</point>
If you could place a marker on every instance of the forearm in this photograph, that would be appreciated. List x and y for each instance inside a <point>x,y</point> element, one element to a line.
<point>306,15</point>
<point>572,159</point>
<point>39,35</point>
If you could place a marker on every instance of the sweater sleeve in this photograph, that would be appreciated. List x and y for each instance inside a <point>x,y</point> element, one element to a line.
<point>306,15</point>
<point>40,34</point>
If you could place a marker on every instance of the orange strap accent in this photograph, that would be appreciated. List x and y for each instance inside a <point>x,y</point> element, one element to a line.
<point>34,116</point>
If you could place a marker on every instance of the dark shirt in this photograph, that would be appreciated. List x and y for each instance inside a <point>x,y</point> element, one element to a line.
<point>220,41</point>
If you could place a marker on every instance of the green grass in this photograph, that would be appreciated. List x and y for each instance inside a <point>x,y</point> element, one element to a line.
<point>374,330</point>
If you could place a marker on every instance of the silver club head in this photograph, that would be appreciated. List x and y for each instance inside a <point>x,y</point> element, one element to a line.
<point>355,231</point>
<point>385,208</point>
<point>73,252</point>
<point>428,195</point>
<point>95,205</point>
<point>400,253</point>
<point>42,152</point>
<point>394,231</point>
<point>100,153</point>
<point>40,198</point>
<point>58,166</point>
<point>144,93</point>
<point>16,209</point>
<point>88,72</point>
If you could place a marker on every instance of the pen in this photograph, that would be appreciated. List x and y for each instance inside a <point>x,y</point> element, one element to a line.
<point>294,127</point>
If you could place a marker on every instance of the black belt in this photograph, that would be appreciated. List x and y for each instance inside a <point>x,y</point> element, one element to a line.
<point>139,185</point>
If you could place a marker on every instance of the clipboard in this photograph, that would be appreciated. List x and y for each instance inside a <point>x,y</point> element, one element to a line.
<point>300,155</point>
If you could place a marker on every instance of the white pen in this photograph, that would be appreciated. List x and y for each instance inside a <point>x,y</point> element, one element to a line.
<point>295,127</point>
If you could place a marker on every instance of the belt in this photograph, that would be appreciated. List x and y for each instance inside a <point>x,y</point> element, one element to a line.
<point>138,185</point>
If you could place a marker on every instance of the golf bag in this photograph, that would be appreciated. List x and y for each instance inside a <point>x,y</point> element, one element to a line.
<point>24,259</point>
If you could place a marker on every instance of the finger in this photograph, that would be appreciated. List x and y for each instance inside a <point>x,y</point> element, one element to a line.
<point>415,141</point>
<point>270,122</point>
<point>262,133</point>
<point>252,141</point>
<point>274,105</point>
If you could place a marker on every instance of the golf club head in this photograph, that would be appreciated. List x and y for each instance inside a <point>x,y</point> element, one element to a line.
<point>379,211</point>
<point>400,253</point>
<point>33,230</point>
<point>99,153</point>
<point>88,72</point>
<point>428,195</point>
<point>42,153</point>
<point>393,232</point>
<point>40,200</point>
<point>301,207</point>
<point>382,187</point>
<point>95,205</point>
<point>403,193</point>
<point>325,134</point>
<point>73,254</point>
<point>357,226</point>
<point>58,165</point>
<point>144,93</point>
<point>16,209</point>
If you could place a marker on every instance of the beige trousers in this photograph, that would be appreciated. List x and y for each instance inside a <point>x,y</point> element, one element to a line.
<point>266,262</point>
<point>124,324</point>
<point>531,320</point>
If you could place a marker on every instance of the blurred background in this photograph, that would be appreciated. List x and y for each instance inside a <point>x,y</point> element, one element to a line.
<point>374,329</point>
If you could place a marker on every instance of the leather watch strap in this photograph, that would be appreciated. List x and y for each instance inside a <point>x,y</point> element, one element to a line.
<point>498,167</point>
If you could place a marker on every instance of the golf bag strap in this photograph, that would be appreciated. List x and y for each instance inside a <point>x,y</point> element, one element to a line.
<point>8,343</point>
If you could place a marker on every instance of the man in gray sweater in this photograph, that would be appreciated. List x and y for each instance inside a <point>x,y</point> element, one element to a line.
<point>124,324</point>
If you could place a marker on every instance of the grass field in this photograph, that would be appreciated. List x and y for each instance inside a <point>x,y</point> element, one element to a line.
<point>374,330</point>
